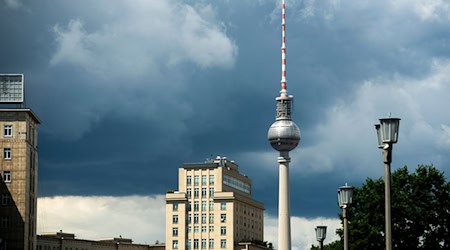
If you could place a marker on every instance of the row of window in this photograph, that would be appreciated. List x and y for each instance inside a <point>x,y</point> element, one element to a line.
<point>223,206</point>
<point>223,244</point>
<point>196,180</point>
<point>197,193</point>
<point>223,218</point>
<point>237,184</point>
<point>223,230</point>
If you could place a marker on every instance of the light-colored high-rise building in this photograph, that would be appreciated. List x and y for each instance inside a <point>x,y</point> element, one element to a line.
<point>213,208</point>
<point>18,185</point>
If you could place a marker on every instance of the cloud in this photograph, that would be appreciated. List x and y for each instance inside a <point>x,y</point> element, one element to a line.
<point>13,4</point>
<point>127,55</point>
<point>95,217</point>
<point>302,231</point>
<point>345,138</point>
<point>145,37</point>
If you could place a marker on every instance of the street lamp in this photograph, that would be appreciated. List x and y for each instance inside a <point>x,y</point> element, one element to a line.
<point>345,197</point>
<point>387,135</point>
<point>321,234</point>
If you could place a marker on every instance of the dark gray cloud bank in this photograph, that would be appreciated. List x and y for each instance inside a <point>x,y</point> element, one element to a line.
<point>128,91</point>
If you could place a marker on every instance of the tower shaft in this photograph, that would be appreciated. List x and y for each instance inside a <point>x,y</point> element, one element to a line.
<point>284,210</point>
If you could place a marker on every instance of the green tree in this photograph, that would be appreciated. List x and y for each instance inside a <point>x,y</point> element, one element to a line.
<point>420,212</point>
<point>335,245</point>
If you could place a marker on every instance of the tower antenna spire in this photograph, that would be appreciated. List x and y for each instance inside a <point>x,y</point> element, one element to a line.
<point>283,49</point>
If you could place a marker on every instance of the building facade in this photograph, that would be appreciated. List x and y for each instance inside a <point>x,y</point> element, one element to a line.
<point>67,241</point>
<point>18,185</point>
<point>213,208</point>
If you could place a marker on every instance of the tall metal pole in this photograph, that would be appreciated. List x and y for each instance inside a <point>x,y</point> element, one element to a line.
<point>321,245</point>
<point>344,214</point>
<point>387,153</point>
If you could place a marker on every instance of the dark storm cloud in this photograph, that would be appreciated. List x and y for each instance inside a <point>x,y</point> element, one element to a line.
<point>129,90</point>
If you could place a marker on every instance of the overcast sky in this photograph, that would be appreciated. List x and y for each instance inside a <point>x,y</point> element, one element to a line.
<point>128,91</point>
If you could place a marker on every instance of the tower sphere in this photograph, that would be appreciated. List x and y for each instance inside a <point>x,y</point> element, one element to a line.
<point>284,135</point>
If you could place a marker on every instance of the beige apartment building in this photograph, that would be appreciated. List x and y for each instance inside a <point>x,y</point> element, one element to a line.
<point>18,185</point>
<point>213,208</point>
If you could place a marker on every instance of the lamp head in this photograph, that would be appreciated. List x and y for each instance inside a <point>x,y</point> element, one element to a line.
<point>345,196</point>
<point>321,233</point>
<point>388,130</point>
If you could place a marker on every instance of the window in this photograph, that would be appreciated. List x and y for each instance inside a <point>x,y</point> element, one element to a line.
<point>175,231</point>
<point>175,219</point>
<point>223,205</point>
<point>7,176</point>
<point>203,192</point>
<point>203,180</point>
<point>188,244</point>
<point>223,217</point>
<point>203,205</point>
<point>203,229</point>
<point>211,192</point>
<point>196,206</point>
<point>189,218</point>
<point>211,179</point>
<point>237,184</point>
<point>203,243</point>
<point>211,218</point>
<point>175,206</point>
<point>6,199</point>
<point>223,230</point>
<point>189,192</point>
<point>195,229</point>
<point>203,218</point>
<point>188,180</point>
<point>175,244</point>
<point>196,244</point>
<point>195,218</point>
<point>3,222</point>
<point>223,243</point>
<point>211,206</point>
<point>7,130</point>
<point>211,243</point>
<point>189,229</point>
<point>196,180</point>
<point>211,229</point>
<point>195,192</point>
<point>7,153</point>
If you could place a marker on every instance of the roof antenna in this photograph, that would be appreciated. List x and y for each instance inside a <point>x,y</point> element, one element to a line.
<point>283,51</point>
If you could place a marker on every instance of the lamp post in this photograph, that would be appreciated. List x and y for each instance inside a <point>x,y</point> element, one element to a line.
<point>387,135</point>
<point>345,196</point>
<point>321,234</point>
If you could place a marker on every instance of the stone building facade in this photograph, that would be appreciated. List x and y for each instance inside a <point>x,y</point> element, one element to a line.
<point>18,185</point>
<point>67,241</point>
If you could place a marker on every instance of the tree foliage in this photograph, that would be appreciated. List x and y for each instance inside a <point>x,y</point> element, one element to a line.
<point>420,212</point>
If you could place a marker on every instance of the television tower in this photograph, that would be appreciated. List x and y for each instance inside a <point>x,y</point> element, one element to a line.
<point>284,136</point>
